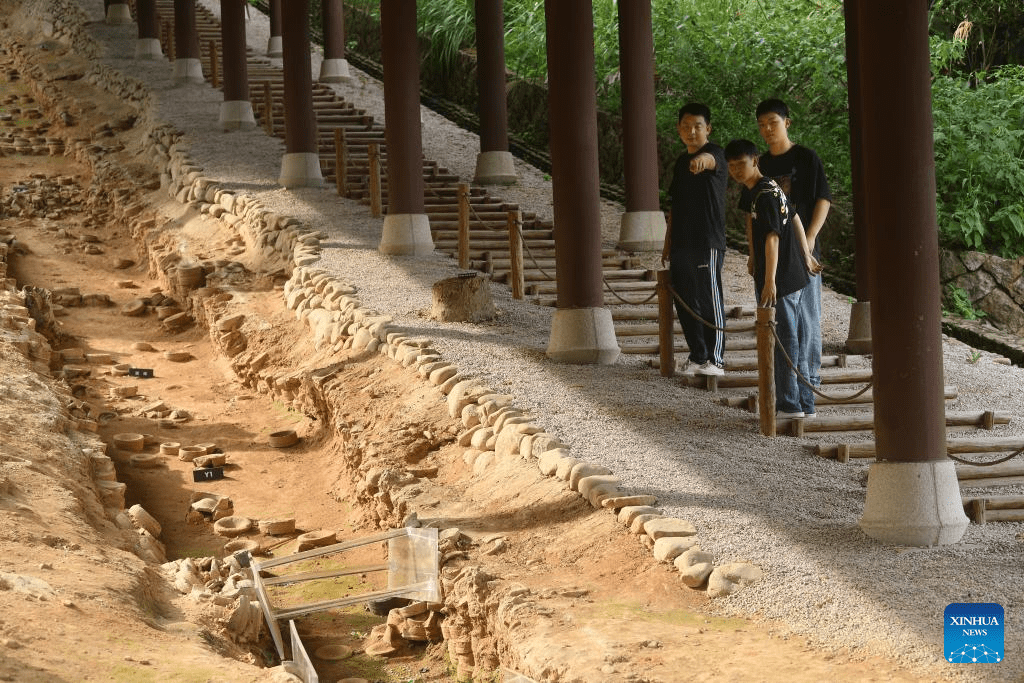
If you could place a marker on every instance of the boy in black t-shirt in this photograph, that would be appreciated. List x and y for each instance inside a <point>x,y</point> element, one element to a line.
<point>801,175</point>
<point>780,263</point>
<point>695,241</point>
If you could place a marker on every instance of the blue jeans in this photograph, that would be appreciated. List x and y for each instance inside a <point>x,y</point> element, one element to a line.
<point>788,394</point>
<point>810,328</point>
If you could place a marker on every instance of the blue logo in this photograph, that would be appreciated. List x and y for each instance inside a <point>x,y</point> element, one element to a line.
<point>973,633</point>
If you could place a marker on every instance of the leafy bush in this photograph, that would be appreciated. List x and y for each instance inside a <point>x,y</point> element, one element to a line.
<point>979,160</point>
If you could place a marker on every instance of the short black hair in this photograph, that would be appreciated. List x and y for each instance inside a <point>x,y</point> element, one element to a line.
<point>772,106</point>
<point>737,149</point>
<point>695,109</point>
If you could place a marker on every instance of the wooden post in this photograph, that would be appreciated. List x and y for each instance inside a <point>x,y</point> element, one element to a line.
<point>214,75</point>
<point>340,161</point>
<point>515,252</point>
<point>172,52</point>
<point>463,194</point>
<point>978,509</point>
<point>268,108</point>
<point>766,370</point>
<point>666,319</point>
<point>373,152</point>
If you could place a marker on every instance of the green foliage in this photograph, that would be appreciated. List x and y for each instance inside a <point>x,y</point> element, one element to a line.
<point>449,25</point>
<point>990,31</point>
<point>730,54</point>
<point>956,302</point>
<point>979,160</point>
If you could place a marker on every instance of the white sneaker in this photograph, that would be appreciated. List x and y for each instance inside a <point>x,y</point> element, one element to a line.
<point>709,368</point>
<point>787,416</point>
<point>810,415</point>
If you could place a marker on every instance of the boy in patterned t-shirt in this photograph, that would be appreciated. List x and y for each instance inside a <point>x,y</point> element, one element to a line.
<point>780,263</point>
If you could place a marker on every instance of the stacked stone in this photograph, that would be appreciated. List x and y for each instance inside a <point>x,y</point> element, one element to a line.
<point>63,20</point>
<point>224,584</point>
<point>40,197</point>
<point>475,602</point>
<point>416,622</point>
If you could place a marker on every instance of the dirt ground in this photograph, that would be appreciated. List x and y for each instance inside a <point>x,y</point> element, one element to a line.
<point>602,602</point>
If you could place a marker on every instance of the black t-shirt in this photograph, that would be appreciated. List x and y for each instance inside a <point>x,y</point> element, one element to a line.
<point>771,214</point>
<point>698,202</point>
<point>801,175</point>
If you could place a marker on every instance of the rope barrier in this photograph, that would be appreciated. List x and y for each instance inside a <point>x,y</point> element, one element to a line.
<point>1011,456</point>
<point>800,377</point>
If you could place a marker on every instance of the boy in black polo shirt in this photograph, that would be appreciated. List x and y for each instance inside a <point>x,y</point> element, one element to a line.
<point>780,263</point>
<point>801,175</point>
<point>695,242</point>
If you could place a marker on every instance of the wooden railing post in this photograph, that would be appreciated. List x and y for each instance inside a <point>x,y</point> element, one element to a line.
<point>766,370</point>
<point>463,192</point>
<point>214,70</point>
<point>515,255</point>
<point>171,46</point>
<point>373,152</point>
<point>268,108</point>
<point>340,161</point>
<point>666,320</point>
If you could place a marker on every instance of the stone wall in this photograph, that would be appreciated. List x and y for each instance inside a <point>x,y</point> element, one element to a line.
<point>993,284</point>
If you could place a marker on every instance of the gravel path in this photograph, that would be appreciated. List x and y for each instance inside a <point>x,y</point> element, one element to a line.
<point>766,501</point>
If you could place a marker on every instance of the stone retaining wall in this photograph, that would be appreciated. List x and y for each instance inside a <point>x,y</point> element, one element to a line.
<point>994,285</point>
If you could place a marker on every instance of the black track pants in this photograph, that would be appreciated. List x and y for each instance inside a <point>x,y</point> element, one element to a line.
<point>697,278</point>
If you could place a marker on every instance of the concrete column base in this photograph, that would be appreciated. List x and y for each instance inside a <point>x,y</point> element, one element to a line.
<point>118,14</point>
<point>148,48</point>
<point>237,115</point>
<point>583,336</point>
<point>495,168</point>
<point>642,231</point>
<point>914,503</point>
<point>275,47</point>
<point>188,70</point>
<point>301,169</point>
<point>859,339</point>
<point>406,234</point>
<point>334,71</point>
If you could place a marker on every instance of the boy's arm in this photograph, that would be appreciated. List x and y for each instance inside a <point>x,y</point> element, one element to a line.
<point>750,244</point>
<point>771,262</point>
<point>811,263</point>
<point>821,208</point>
<point>667,249</point>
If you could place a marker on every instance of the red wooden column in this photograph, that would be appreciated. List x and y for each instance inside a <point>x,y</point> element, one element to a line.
<point>148,44</point>
<point>581,329</point>
<point>494,165</point>
<point>643,223</point>
<point>859,337</point>
<point>236,109</point>
<point>406,227</point>
<point>913,497</point>
<point>334,68</point>
<point>275,44</point>
<point>300,166</point>
<point>187,67</point>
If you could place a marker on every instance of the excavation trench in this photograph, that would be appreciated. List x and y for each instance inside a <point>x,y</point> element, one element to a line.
<point>138,260</point>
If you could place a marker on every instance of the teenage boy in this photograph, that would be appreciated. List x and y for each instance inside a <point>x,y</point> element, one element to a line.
<point>801,175</point>
<point>695,242</point>
<point>780,263</point>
